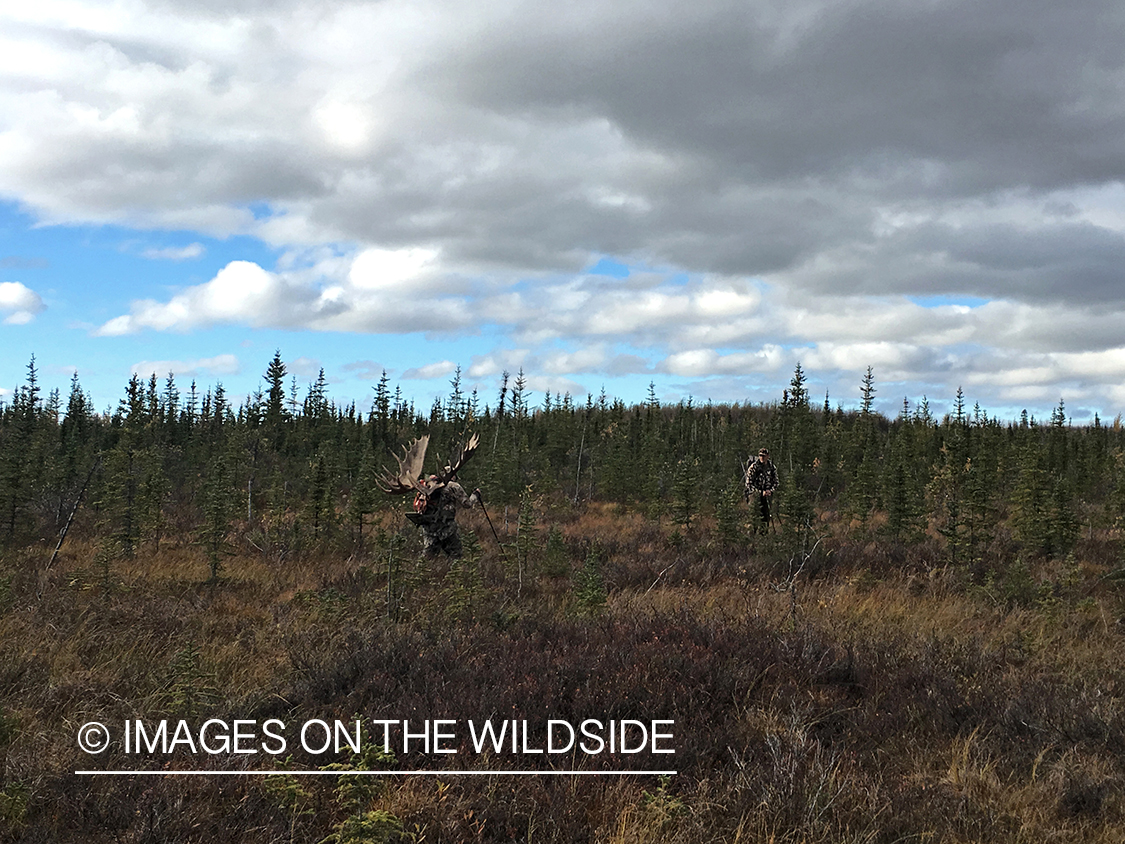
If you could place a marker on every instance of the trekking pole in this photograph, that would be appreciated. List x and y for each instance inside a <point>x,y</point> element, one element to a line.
<point>484,510</point>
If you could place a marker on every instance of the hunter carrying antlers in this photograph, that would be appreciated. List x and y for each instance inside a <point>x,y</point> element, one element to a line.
<point>436,496</point>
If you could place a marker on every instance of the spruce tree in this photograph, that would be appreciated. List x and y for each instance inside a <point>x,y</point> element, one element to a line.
<point>1031,506</point>
<point>275,415</point>
<point>685,492</point>
<point>217,504</point>
<point>16,467</point>
<point>320,509</point>
<point>589,585</point>
<point>361,501</point>
<point>862,493</point>
<point>902,493</point>
<point>728,516</point>
<point>380,417</point>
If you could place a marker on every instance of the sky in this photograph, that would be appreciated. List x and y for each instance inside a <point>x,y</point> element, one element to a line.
<point>604,195</point>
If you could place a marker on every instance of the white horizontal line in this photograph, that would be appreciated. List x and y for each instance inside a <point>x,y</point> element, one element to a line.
<point>438,773</point>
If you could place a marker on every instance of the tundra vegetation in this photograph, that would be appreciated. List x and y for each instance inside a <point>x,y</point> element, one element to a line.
<point>928,646</point>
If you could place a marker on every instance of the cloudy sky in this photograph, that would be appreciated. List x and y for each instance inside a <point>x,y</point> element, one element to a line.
<point>604,194</point>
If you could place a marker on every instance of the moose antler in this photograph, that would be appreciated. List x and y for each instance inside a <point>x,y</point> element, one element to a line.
<point>467,451</point>
<point>409,469</point>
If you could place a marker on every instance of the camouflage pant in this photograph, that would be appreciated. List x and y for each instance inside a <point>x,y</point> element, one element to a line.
<point>445,538</point>
<point>762,525</point>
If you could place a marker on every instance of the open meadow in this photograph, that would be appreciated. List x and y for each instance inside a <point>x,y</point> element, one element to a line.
<point>860,693</point>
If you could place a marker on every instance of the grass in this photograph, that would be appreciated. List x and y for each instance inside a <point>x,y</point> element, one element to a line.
<point>863,692</point>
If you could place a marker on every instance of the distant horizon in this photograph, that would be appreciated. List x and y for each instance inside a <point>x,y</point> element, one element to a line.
<point>489,400</point>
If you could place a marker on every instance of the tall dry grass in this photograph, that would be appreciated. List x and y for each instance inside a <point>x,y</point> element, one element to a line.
<point>863,693</point>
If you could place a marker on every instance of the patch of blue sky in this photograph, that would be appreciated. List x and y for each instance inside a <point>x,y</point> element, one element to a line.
<point>97,270</point>
<point>89,274</point>
<point>613,268</point>
<point>678,279</point>
<point>938,301</point>
<point>610,267</point>
<point>263,210</point>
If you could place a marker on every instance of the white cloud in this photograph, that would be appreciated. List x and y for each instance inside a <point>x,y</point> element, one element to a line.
<point>226,364</point>
<point>707,362</point>
<point>497,362</point>
<point>175,253</point>
<point>391,270</point>
<point>21,302</point>
<point>242,292</point>
<point>699,328</point>
<point>431,370</point>
<point>553,384</point>
<point>305,367</point>
<point>345,125</point>
<point>592,358</point>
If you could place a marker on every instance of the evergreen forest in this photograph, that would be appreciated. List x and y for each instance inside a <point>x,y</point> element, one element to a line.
<point>294,469</point>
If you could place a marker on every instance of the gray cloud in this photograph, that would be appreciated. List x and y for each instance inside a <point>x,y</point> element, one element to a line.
<point>733,139</point>
<point>780,93</point>
<point>1048,262</point>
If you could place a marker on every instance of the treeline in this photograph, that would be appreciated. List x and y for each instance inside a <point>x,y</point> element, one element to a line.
<point>291,471</point>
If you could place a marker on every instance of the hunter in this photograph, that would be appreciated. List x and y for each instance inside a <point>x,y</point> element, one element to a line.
<point>435,511</point>
<point>761,480</point>
<point>436,496</point>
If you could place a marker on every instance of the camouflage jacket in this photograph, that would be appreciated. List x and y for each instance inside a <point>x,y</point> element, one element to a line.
<point>760,477</point>
<point>440,516</point>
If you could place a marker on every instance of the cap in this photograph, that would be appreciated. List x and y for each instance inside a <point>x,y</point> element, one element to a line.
<point>763,452</point>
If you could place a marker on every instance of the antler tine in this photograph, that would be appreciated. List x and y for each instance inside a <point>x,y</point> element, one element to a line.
<point>463,455</point>
<point>409,468</point>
